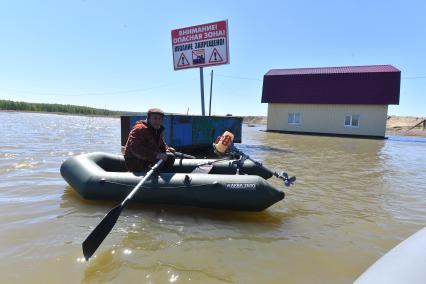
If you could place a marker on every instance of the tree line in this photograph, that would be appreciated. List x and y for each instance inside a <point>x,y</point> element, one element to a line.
<point>59,108</point>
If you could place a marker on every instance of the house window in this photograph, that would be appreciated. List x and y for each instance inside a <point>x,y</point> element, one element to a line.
<point>293,118</point>
<point>352,120</point>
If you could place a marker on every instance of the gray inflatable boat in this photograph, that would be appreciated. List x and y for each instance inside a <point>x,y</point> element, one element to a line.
<point>103,176</point>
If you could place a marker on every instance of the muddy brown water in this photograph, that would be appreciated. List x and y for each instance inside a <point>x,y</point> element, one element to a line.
<point>354,200</point>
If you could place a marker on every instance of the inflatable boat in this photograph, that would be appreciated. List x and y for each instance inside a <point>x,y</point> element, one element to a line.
<point>405,263</point>
<point>225,185</point>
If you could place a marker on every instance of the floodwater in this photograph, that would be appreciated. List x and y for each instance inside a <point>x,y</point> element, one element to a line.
<point>354,199</point>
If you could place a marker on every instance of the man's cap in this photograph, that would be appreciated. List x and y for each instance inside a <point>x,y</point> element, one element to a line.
<point>155,111</point>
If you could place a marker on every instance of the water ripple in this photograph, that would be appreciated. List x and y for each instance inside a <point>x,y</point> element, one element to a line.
<point>353,200</point>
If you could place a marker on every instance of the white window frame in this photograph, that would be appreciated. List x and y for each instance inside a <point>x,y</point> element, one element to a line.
<point>351,120</point>
<point>293,115</point>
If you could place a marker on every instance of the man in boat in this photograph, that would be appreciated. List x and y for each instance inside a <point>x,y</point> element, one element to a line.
<point>145,144</point>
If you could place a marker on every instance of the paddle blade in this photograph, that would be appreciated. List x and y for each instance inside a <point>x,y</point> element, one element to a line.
<point>96,237</point>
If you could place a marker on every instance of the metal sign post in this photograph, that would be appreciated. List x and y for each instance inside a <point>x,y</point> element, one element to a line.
<point>202,91</point>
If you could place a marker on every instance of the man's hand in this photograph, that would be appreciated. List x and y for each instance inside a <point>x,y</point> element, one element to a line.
<point>171,149</point>
<point>162,156</point>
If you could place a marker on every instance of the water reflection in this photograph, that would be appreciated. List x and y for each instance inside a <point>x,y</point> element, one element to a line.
<point>73,203</point>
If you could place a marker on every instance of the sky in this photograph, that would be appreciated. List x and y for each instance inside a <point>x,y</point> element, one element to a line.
<point>118,54</point>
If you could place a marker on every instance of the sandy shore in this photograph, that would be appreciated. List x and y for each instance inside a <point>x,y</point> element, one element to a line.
<point>254,119</point>
<point>395,125</point>
<point>401,125</point>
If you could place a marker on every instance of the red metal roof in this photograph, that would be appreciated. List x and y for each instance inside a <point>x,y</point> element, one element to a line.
<point>334,70</point>
<point>377,84</point>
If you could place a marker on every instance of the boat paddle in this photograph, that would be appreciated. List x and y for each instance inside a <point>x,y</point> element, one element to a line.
<point>183,155</point>
<point>96,237</point>
<point>205,168</point>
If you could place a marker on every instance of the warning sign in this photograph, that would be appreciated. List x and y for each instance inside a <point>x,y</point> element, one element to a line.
<point>199,43</point>
<point>215,57</point>
<point>183,61</point>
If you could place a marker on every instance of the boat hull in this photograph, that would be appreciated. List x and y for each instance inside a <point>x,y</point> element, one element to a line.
<point>101,176</point>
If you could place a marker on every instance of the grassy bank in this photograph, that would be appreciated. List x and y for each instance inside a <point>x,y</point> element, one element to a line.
<point>57,108</point>
<point>83,110</point>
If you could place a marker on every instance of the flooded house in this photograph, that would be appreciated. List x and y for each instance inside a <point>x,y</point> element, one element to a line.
<point>347,100</point>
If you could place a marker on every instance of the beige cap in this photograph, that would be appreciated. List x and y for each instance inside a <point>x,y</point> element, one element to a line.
<point>155,111</point>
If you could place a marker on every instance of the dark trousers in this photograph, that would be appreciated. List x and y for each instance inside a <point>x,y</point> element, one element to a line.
<point>134,164</point>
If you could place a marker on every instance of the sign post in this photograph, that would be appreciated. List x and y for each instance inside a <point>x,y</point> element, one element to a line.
<point>202,91</point>
<point>211,92</point>
<point>201,46</point>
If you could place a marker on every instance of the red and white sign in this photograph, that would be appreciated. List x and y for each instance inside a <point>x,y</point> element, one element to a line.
<point>202,45</point>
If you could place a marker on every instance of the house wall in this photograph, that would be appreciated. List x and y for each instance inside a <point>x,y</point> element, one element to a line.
<point>328,118</point>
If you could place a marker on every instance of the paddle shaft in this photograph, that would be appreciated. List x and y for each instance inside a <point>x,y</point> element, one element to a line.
<point>146,177</point>
<point>96,237</point>
<point>212,162</point>
<point>183,155</point>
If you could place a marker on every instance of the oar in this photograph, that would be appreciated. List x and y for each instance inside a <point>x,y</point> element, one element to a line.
<point>205,168</point>
<point>94,240</point>
<point>184,156</point>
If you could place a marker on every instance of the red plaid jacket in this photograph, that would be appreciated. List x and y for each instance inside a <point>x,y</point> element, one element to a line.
<point>142,145</point>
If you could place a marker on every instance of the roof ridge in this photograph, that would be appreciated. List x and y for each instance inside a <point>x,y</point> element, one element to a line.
<point>331,67</point>
<point>334,70</point>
